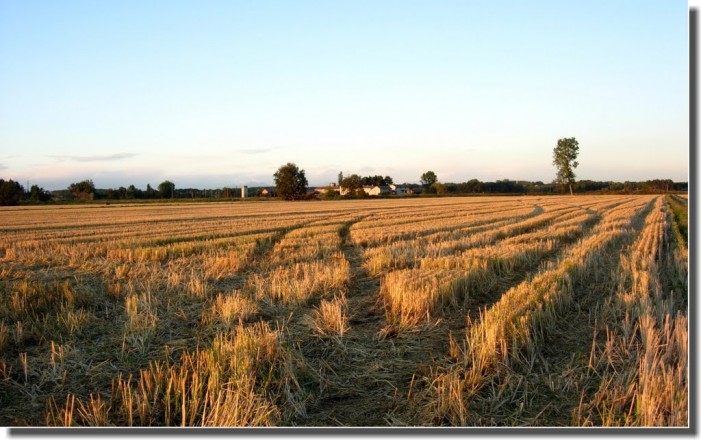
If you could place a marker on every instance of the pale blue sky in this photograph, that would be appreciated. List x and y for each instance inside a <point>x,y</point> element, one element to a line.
<point>221,93</point>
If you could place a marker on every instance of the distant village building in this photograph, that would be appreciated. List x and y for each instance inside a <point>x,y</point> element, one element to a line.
<point>331,187</point>
<point>377,190</point>
<point>267,192</point>
<point>244,191</point>
<point>372,190</point>
<point>400,190</point>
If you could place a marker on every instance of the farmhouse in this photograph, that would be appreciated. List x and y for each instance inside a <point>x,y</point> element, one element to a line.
<point>371,190</point>
<point>400,190</point>
<point>267,192</point>
<point>324,189</point>
<point>377,190</point>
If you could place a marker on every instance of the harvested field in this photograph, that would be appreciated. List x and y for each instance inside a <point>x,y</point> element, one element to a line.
<point>483,311</point>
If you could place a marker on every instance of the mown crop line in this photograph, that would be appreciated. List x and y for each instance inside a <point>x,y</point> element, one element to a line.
<point>243,379</point>
<point>482,271</point>
<point>679,199</point>
<point>643,358</point>
<point>360,236</point>
<point>540,368</point>
<point>388,218</point>
<point>392,257</point>
<point>424,217</point>
<point>293,283</point>
<point>304,245</point>
<point>515,322</point>
<point>446,212</point>
<point>420,243</point>
<point>128,222</point>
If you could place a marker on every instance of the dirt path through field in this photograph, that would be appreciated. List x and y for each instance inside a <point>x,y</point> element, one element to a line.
<point>362,376</point>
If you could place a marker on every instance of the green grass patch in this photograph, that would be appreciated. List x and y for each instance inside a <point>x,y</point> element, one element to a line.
<point>680,217</point>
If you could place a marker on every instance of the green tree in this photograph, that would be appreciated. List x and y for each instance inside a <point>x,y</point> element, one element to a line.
<point>166,189</point>
<point>428,179</point>
<point>564,159</point>
<point>291,182</point>
<point>352,185</point>
<point>331,192</point>
<point>340,177</point>
<point>11,192</point>
<point>438,188</point>
<point>377,180</point>
<point>134,192</point>
<point>38,194</point>
<point>150,193</point>
<point>84,190</point>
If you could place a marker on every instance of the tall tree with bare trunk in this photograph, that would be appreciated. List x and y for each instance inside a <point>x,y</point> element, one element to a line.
<point>564,158</point>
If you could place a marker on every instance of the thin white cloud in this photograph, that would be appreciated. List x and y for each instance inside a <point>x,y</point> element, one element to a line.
<point>97,158</point>
<point>257,150</point>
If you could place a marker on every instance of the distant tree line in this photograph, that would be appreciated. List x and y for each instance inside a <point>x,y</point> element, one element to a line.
<point>86,190</point>
<point>166,190</point>
<point>291,184</point>
<point>507,186</point>
<point>13,193</point>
